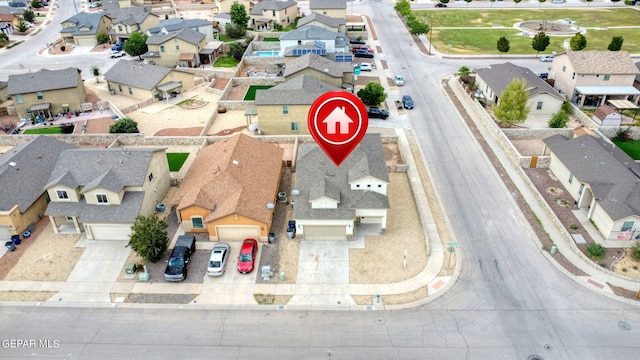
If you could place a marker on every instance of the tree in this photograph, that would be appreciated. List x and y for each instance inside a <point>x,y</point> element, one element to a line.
<point>517,2</point>
<point>372,94</point>
<point>149,238</point>
<point>3,37</point>
<point>503,45</point>
<point>136,45</point>
<point>22,26</point>
<point>559,120</point>
<point>512,105</point>
<point>616,43</point>
<point>417,27</point>
<point>124,126</point>
<point>578,42</point>
<point>28,15</point>
<point>102,38</point>
<point>96,72</point>
<point>540,42</point>
<point>36,4</point>
<point>402,7</point>
<point>540,2</point>
<point>492,1</point>
<point>468,1</point>
<point>234,31</point>
<point>236,50</point>
<point>614,2</point>
<point>239,16</point>
<point>463,71</point>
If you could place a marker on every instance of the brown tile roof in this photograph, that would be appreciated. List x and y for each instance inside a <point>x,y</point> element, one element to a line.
<point>237,176</point>
<point>602,62</point>
<point>603,111</point>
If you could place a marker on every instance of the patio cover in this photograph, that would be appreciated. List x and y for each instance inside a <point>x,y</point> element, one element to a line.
<point>187,56</point>
<point>622,104</point>
<point>263,21</point>
<point>607,90</point>
<point>169,86</point>
<point>38,107</point>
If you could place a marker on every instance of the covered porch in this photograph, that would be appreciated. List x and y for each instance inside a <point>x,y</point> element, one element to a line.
<point>170,90</point>
<point>40,112</point>
<point>595,96</point>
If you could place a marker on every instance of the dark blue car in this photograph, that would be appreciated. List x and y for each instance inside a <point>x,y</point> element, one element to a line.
<point>407,102</point>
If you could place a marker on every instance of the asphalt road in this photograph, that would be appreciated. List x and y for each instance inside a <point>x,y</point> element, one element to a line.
<point>509,303</point>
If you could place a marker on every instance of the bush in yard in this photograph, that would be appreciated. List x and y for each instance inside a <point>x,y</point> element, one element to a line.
<point>635,252</point>
<point>63,48</point>
<point>559,120</point>
<point>149,237</point>
<point>29,15</point>
<point>595,251</point>
<point>125,125</point>
<point>372,94</point>
<point>67,128</point>
<point>566,107</point>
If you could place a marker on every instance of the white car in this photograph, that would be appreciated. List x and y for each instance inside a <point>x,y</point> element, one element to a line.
<point>28,24</point>
<point>117,54</point>
<point>364,66</point>
<point>218,260</point>
<point>398,80</point>
<point>547,58</point>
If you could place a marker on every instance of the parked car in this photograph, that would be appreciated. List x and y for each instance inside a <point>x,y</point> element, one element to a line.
<point>22,123</point>
<point>218,259</point>
<point>362,47</point>
<point>544,75</point>
<point>247,257</point>
<point>94,5</point>
<point>117,54</point>
<point>178,263</point>
<point>357,41</point>
<point>29,25</point>
<point>363,54</point>
<point>364,66</point>
<point>117,46</point>
<point>546,58</point>
<point>378,113</point>
<point>440,5</point>
<point>407,102</point>
<point>398,80</point>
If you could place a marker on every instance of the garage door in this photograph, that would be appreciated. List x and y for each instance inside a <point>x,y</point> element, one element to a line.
<point>107,231</point>
<point>325,232</point>
<point>237,233</point>
<point>86,41</point>
<point>4,233</point>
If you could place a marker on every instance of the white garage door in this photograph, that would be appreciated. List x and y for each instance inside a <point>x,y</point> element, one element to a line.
<point>4,233</point>
<point>237,233</point>
<point>86,41</point>
<point>107,231</point>
<point>325,232</point>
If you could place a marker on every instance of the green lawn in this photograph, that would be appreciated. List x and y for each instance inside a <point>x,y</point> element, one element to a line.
<point>176,160</point>
<point>44,130</point>
<point>251,93</point>
<point>632,148</point>
<point>225,38</point>
<point>450,37</point>
<point>226,61</point>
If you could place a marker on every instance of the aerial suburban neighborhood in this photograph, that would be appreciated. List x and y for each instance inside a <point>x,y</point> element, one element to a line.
<point>156,154</point>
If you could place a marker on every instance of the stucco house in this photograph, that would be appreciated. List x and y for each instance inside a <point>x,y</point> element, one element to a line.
<point>24,171</point>
<point>144,81</point>
<point>177,48</point>
<point>315,39</point>
<point>335,202</point>
<point>603,180</point>
<point>338,74</point>
<point>543,98</point>
<point>100,192</point>
<point>82,28</point>
<point>128,20</point>
<point>8,22</point>
<point>605,115</point>
<point>327,22</point>
<point>45,93</point>
<point>590,78</point>
<point>175,24</point>
<point>330,8</point>
<point>229,188</point>
<point>266,13</point>
<point>282,109</point>
<point>224,6</point>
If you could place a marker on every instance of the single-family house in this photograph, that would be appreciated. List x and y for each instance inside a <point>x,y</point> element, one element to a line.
<point>335,202</point>
<point>338,74</point>
<point>602,179</point>
<point>8,22</point>
<point>46,92</point>
<point>327,22</point>
<point>100,192</point>
<point>82,28</point>
<point>175,24</point>
<point>144,81</point>
<point>315,39</point>
<point>543,98</point>
<point>24,171</point>
<point>221,20</point>
<point>230,189</point>
<point>590,78</point>
<point>3,91</point>
<point>177,48</point>
<point>283,109</point>
<point>224,6</point>
<point>128,20</point>
<point>331,8</point>
<point>266,13</point>
<point>605,115</point>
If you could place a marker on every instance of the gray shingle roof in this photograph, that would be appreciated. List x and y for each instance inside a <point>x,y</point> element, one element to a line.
<point>187,34</point>
<point>602,62</point>
<point>498,76</point>
<point>311,32</point>
<point>23,183</point>
<point>90,20</point>
<point>301,90</point>
<point>612,175</point>
<point>317,176</point>
<point>124,213</point>
<point>319,63</point>
<point>43,80</point>
<point>327,4</point>
<point>175,24</point>
<point>128,16</point>
<point>137,74</point>
<point>276,5</point>
<point>323,19</point>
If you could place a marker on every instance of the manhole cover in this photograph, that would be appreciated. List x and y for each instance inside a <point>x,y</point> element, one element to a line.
<point>379,321</point>
<point>548,347</point>
<point>535,357</point>
<point>624,325</point>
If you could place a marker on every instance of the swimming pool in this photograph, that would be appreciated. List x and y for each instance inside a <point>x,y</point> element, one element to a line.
<point>266,53</point>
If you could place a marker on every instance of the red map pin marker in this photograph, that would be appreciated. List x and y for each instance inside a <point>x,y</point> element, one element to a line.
<point>337,121</point>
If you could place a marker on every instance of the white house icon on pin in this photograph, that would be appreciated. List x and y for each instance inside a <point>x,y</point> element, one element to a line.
<point>337,116</point>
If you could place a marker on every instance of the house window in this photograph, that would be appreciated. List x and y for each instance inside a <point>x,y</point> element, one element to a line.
<point>119,28</point>
<point>607,77</point>
<point>196,223</point>
<point>39,95</point>
<point>177,47</point>
<point>539,106</point>
<point>102,198</point>
<point>573,76</point>
<point>62,194</point>
<point>130,91</point>
<point>19,99</point>
<point>285,109</point>
<point>150,177</point>
<point>581,189</point>
<point>69,218</point>
<point>120,88</point>
<point>295,126</point>
<point>564,68</point>
<point>161,48</point>
<point>627,225</point>
<point>570,178</point>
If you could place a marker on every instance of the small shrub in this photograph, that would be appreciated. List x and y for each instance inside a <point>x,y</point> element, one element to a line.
<point>635,267</point>
<point>559,120</point>
<point>624,269</point>
<point>63,48</point>
<point>635,252</point>
<point>566,107</point>
<point>573,227</point>
<point>604,265</point>
<point>595,251</point>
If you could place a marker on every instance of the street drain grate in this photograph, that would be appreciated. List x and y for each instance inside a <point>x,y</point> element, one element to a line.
<point>624,325</point>
<point>379,321</point>
<point>535,357</point>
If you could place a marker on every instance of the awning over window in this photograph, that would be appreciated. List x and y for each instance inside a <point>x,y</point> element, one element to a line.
<point>38,107</point>
<point>187,56</point>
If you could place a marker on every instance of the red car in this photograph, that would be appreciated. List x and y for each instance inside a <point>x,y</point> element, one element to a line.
<point>247,257</point>
<point>362,47</point>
